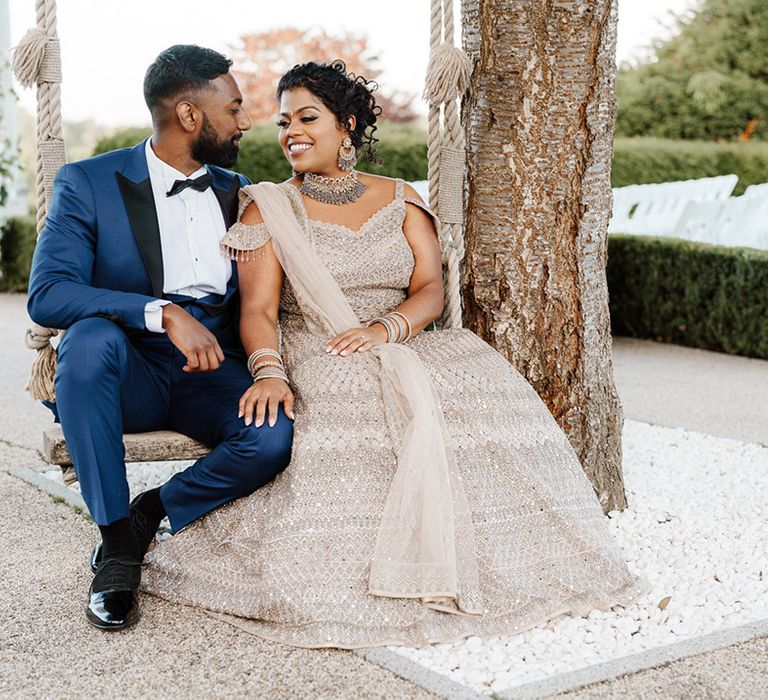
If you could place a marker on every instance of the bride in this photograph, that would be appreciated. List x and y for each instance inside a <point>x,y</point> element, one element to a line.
<point>431,495</point>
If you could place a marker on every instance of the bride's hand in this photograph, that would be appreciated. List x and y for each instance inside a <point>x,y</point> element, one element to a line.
<point>263,398</point>
<point>357,340</point>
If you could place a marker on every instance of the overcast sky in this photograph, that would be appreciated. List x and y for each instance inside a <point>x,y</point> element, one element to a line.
<point>107,45</point>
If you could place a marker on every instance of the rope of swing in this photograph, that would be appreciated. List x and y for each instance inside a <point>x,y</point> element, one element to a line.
<point>37,61</point>
<point>446,82</point>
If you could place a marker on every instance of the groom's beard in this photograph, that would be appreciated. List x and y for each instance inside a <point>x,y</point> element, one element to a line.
<point>208,149</point>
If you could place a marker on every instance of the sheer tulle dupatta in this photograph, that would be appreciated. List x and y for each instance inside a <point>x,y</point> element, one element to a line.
<point>425,542</point>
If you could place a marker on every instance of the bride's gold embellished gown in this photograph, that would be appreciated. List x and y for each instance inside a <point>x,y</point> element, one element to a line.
<point>291,562</point>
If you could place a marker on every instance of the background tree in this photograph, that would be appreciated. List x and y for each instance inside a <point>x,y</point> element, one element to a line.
<point>539,123</point>
<point>9,156</point>
<point>260,60</point>
<point>8,165</point>
<point>709,81</point>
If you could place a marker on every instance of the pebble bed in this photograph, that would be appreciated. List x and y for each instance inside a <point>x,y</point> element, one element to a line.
<point>696,529</point>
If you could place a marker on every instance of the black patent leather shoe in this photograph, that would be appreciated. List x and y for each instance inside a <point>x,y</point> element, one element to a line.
<point>113,602</point>
<point>95,558</point>
<point>144,529</point>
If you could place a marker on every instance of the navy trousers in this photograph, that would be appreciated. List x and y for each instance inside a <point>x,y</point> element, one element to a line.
<point>109,382</point>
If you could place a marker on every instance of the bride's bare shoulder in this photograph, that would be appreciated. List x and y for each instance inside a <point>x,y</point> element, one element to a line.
<point>249,210</point>
<point>251,215</point>
<point>376,183</point>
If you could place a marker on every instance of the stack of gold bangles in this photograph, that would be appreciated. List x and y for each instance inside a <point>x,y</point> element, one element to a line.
<point>271,367</point>
<point>398,326</point>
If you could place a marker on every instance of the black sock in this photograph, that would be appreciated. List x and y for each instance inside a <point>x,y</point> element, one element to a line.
<point>118,540</point>
<point>151,505</point>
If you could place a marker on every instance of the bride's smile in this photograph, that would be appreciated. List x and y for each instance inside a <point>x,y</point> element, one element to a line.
<point>310,133</point>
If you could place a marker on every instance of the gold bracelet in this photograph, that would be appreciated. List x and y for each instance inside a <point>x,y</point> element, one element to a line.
<point>257,354</point>
<point>402,327</point>
<point>408,325</point>
<point>268,363</point>
<point>399,326</point>
<point>271,374</point>
<point>388,324</point>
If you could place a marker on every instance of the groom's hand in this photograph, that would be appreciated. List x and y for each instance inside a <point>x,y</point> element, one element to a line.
<point>193,340</point>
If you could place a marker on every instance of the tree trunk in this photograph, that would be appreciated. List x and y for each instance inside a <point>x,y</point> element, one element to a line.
<point>539,121</point>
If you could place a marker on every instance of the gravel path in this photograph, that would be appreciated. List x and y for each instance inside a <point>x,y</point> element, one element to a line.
<point>48,650</point>
<point>739,672</point>
<point>708,392</point>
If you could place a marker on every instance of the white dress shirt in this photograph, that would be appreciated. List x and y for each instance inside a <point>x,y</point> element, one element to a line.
<point>191,228</point>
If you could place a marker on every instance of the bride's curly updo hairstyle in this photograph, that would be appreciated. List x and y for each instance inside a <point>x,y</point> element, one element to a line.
<point>345,94</point>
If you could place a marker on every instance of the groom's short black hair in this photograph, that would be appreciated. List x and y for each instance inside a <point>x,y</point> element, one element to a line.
<point>179,68</point>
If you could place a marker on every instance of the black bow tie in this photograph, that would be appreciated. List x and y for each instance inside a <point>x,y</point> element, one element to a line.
<point>200,184</point>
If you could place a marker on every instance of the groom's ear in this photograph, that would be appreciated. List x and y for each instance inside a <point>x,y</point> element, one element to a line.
<point>187,115</point>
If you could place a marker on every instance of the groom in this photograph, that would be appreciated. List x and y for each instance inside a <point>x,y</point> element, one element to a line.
<point>129,264</point>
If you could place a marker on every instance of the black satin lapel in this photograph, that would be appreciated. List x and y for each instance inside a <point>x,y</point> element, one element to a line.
<point>142,215</point>
<point>228,201</point>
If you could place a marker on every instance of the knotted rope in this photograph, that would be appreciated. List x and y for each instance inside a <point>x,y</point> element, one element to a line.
<point>37,60</point>
<point>446,82</point>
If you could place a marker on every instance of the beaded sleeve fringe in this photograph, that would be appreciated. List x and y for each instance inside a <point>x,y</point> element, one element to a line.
<point>243,241</point>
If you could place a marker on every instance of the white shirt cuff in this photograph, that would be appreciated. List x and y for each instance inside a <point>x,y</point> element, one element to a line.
<point>153,315</point>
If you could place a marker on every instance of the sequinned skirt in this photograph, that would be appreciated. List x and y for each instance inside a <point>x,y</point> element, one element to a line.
<point>290,562</point>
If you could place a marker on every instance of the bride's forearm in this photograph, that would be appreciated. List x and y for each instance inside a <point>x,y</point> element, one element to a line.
<point>423,306</point>
<point>258,330</point>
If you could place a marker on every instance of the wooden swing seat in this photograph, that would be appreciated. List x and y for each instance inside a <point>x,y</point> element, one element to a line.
<point>155,446</point>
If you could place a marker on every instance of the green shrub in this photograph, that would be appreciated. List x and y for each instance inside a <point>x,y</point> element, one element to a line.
<point>693,294</point>
<point>17,243</point>
<point>124,138</point>
<point>641,160</point>
<point>402,150</point>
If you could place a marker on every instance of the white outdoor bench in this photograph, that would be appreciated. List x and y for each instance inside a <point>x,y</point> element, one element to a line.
<point>656,208</point>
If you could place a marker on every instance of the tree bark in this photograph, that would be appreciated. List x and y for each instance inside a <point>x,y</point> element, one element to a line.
<point>539,122</point>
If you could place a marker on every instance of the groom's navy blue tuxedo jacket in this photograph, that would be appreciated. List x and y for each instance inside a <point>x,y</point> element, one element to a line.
<point>99,254</point>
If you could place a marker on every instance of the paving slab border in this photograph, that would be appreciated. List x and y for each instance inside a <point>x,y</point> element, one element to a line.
<point>53,488</point>
<point>651,658</point>
<point>420,675</point>
<point>443,686</point>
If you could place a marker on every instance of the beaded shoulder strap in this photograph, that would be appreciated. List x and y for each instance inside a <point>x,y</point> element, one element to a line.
<point>400,194</point>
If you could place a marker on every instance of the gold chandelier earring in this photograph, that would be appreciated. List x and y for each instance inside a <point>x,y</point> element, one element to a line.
<point>347,154</point>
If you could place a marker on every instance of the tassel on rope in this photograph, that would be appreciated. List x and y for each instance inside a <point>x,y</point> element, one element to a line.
<point>41,380</point>
<point>448,74</point>
<point>29,55</point>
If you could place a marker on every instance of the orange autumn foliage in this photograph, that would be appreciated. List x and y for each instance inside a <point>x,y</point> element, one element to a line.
<point>260,60</point>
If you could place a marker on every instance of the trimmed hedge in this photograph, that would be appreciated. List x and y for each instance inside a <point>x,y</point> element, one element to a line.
<point>402,150</point>
<point>640,160</point>
<point>694,294</point>
<point>17,243</point>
